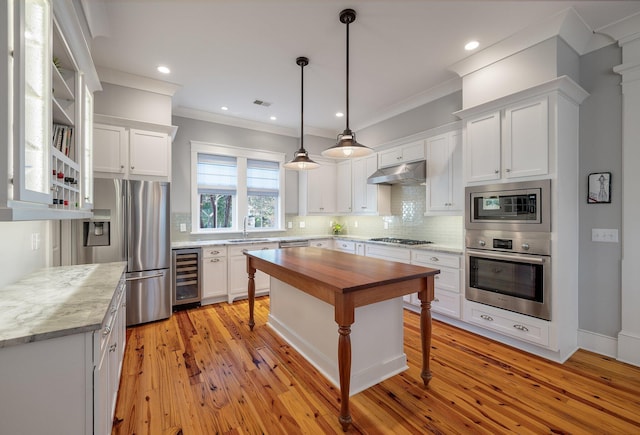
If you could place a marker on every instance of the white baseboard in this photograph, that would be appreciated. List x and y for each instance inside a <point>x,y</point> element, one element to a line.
<point>598,343</point>
<point>629,348</point>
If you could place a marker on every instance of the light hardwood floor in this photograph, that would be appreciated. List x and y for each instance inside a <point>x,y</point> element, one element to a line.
<point>203,372</point>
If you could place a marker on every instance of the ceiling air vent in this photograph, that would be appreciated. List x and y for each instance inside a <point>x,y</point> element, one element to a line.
<point>262,103</point>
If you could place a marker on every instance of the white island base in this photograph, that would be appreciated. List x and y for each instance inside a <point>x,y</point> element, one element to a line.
<point>309,326</point>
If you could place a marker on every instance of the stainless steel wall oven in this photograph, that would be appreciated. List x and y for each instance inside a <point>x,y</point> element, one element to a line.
<point>510,270</point>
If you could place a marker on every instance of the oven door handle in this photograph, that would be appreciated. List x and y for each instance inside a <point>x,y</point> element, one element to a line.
<point>537,259</point>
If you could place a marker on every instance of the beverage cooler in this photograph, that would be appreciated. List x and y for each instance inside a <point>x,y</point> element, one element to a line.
<point>187,278</point>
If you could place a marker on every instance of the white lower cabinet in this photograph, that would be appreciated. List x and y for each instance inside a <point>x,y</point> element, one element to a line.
<point>214,274</point>
<point>108,367</point>
<point>448,283</point>
<point>237,272</point>
<point>347,246</point>
<point>400,255</point>
<point>321,243</point>
<point>515,325</point>
<point>65,385</point>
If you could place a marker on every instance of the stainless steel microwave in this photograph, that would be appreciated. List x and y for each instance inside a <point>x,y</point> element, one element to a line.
<point>522,206</point>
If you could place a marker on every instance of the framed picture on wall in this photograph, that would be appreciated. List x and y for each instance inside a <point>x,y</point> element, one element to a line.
<point>599,188</point>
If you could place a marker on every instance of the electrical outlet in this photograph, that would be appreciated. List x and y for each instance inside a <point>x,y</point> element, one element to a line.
<point>35,241</point>
<point>183,228</point>
<point>301,224</point>
<point>604,235</point>
<point>289,225</point>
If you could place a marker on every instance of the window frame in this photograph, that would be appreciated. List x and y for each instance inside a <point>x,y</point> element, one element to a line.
<point>240,208</point>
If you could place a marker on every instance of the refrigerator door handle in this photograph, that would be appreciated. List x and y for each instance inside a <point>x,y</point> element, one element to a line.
<point>137,278</point>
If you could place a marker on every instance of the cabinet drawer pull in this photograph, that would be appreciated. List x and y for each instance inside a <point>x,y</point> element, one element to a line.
<point>436,277</point>
<point>214,252</point>
<point>214,260</point>
<point>113,347</point>
<point>507,170</point>
<point>436,300</point>
<point>434,259</point>
<point>521,328</point>
<point>107,330</point>
<point>485,317</point>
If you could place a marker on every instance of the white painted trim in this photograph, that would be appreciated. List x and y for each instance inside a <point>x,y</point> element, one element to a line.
<point>421,135</point>
<point>133,123</point>
<point>420,99</point>
<point>598,343</point>
<point>120,78</point>
<point>629,348</point>
<point>622,30</point>
<point>562,84</point>
<point>202,115</point>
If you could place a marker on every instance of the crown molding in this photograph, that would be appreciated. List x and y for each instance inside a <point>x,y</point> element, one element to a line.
<point>120,78</point>
<point>232,121</point>
<point>566,24</point>
<point>624,30</point>
<point>427,96</point>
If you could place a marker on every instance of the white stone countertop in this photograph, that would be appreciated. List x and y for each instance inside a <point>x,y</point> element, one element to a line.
<point>427,247</point>
<point>57,301</point>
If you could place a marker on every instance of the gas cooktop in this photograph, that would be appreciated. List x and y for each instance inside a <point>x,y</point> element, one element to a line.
<point>401,241</point>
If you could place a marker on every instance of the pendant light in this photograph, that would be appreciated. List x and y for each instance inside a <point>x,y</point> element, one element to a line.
<point>301,160</point>
<point>347,146</point>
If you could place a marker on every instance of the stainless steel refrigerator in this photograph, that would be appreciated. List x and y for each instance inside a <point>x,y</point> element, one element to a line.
<point>131,223</point>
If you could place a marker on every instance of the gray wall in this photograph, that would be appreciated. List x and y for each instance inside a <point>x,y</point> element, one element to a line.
<point>191,129</point>
<point>425,117</point>
<point>600,151</point>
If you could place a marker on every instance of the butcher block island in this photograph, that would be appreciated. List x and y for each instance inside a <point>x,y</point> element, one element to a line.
<point>319,297</point>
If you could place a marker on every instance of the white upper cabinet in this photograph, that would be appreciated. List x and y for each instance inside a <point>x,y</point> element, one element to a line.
<point>402,154</point>
<point>368,198</point>
<point>48,79</point>
<point>317,189</point>
<point>509,143</point>
<point>132,153</point>
<point>110,151</point>
<point>526,139</point>
<point>149,153</point>
<point>344,187</point>
<point>444,174</point>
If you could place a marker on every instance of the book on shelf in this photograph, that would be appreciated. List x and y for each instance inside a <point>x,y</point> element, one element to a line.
<point>63,140</point>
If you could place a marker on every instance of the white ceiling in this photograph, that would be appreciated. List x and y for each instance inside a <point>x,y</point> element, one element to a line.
<point>232,52</point>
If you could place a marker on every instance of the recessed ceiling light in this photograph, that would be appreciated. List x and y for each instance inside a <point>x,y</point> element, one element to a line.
<point>471,45</point>
<point>224,108</point>
<point>163,69</point>
<point>273,118</point>
<point>339,115</point>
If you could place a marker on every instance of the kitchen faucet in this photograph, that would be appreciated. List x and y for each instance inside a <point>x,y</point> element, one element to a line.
<point>244,227</point>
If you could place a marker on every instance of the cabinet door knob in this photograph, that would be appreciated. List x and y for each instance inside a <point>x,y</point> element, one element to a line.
<point>497,171</point>
<point>436,300</point>
<point>507,170</point>
<point>132,167</point>
<point>121,166</point>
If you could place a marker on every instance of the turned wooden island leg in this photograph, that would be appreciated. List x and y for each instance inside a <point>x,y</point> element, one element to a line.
<point>344,314</point>
<point>251,271</point>
<point>426,296</point>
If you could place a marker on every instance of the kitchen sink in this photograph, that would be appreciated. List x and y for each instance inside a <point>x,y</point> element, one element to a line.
<point>246,240</point>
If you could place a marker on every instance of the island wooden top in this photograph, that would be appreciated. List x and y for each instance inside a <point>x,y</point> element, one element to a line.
<point>321,272</point>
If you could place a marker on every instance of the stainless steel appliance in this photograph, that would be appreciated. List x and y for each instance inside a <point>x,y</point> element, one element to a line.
<point>131,223</point>
<point>397,241</point>
<point>405,173</point>
<point>510,270</point>
<point>299,243</point>
<point>187,278</point>
<point>523,206</point>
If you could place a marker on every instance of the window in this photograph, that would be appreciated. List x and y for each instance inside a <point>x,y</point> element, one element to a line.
<point>231,185</point>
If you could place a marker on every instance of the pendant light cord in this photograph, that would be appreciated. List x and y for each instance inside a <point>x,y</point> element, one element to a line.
<point>301,105</point>
<point>347,23</point>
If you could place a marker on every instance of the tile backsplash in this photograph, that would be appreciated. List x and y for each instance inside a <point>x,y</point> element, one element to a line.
<point>407,221</point>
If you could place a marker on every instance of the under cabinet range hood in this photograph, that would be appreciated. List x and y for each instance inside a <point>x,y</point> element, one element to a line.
<point>405,173</point>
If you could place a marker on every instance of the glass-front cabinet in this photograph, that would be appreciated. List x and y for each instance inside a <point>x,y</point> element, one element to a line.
<point>32,101</point>
<point>50,81</point>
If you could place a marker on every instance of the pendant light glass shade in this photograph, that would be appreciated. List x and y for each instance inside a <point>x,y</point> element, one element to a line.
<point>347,146</point>
<point>301,160</point>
